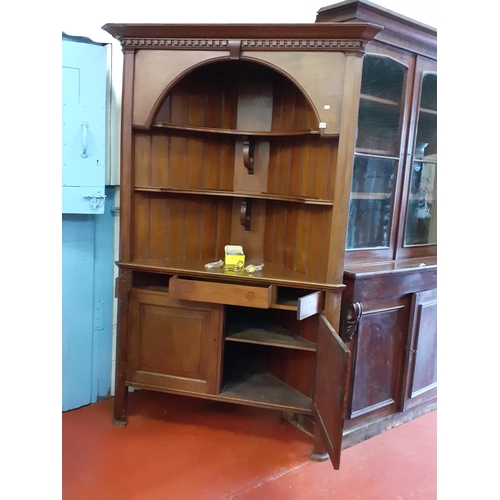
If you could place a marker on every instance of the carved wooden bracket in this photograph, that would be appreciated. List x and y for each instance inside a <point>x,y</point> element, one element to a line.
<point>248,153</point>
<point>245,213</point>
<point>234,49</point>
<point>123,284</point>
<point>351,314</point>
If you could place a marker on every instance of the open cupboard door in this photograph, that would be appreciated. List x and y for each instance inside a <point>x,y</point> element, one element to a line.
<point>331,388</point>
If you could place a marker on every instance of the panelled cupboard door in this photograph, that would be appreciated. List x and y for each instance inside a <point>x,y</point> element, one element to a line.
<point>422,353</point>
<point>174,344</point>
<point>330,393</point>
<point>83,126</point>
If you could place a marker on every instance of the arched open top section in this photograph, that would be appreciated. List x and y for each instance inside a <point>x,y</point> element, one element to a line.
<point>237,95</point>
<point>248,80</point>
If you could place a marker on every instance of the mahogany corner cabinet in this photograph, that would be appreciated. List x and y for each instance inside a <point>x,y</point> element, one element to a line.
<point>239,135</point>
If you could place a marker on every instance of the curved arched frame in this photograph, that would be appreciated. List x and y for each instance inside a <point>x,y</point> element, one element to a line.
<point>158,71</point>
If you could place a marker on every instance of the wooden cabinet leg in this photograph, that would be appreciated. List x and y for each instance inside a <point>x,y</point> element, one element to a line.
<point>319,453</point>
<point>121,391</point>
<point>120,405</point>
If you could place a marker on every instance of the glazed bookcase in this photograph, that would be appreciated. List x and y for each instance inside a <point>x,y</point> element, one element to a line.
<point>389,312</point>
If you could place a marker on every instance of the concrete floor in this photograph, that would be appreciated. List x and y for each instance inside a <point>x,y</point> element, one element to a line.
<point>184,448</point>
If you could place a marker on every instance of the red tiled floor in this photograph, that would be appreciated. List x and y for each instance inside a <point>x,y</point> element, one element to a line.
<point>182,448</point>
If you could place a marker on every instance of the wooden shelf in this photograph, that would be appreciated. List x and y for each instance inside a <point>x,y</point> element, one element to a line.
<point>272,273</point>
<point>384,153</point>
<point>265,390</point>
<point>418,197</point>
<point>370,196</point>
<point>425,160</point>
<point>380,100</point>
<point>429,111</point>
<point>209,130</point>
<point>270,335</point>
<point>237,194</point>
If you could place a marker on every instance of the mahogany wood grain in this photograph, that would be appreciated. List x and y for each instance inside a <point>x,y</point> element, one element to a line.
<point>324,89</point>
<point>156,73</point>
<point>251,239</point>
<point>126,158</point>
<point>264,390</point>
<point>305,170</point>
<point>398,30</point>
<point>342,183</point>
<point>142,159</point>
<point>271,273</point>
<point>270,335</point>
<point>295,368</point>
<point>294,232</point>
<point>250,31</point>
<point>124,285</point>
<point>220,293</point>
<point>365,282</point>
<point>378,358</point>
<point>421,373</point>
<point>330,391</point>
<point>160,161</point>
<point>291,109</point>
<point>158,228</point>
<point>166,223</point>
<point>310,304</point>
<point>161,327</point>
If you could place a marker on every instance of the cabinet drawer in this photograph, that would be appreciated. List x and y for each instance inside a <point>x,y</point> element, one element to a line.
<point>220,293</point>
<point>305,302</point>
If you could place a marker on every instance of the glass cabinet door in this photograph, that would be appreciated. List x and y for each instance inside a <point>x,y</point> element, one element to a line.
<point>377,153</point>
<point>421,214</point>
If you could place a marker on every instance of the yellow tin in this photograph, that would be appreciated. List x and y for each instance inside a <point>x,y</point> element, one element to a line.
<point>234,256</point>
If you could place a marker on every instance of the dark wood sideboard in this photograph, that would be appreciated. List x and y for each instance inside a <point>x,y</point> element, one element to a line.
<point>389,312</point>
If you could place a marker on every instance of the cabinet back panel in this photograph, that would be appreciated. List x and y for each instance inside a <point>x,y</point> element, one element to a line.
<point>291,111</point>
<point>207,97</point>
<point>303,167</point>
<point>295,368</point>
<point>173,227</point>
<point>297,237</point>
<point>183,161</point>
<point>306,328</point>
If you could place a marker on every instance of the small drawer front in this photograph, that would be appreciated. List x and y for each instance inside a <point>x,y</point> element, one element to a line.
<point>311,304</point>
<point>220,293</point>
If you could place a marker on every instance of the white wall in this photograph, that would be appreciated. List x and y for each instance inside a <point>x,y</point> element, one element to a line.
<point>88,21</point>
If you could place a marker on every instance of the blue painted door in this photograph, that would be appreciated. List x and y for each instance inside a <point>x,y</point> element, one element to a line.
<point>84,126</point>
<point>87,234</point>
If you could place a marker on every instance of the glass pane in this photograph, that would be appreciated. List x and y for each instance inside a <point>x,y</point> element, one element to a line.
<point>421,217</point>
<point>371,202</point>
<point>377,147</point>
<point>380,106</point>
<point>421,221</point>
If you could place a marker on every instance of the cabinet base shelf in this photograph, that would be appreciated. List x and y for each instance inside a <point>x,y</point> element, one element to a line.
<point>270,335</point>
<point>261,390</point>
